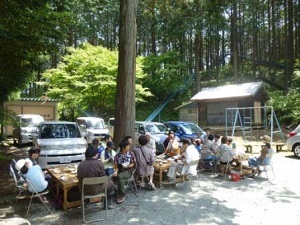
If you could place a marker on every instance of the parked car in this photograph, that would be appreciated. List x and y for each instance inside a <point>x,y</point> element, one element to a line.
<point>154,128</point>
<point>92,127</point>
<point>184,129</point>
<point>26,127</point>
<point>293,141</point>
<point>60,143</point>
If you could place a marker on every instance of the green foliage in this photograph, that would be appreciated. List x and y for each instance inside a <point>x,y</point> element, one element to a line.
<point>27,29</point>
<point>85,82</point>
<point>287,106</point>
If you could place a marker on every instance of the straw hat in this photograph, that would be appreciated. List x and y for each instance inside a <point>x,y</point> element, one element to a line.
<point>266,139</point>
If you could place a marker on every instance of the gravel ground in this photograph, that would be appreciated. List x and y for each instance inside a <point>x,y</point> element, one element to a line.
<point>217,201</point>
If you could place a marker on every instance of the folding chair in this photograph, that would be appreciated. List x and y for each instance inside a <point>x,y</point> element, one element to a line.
<point>94,181</point>
<point>18,181</point>
<point>133,187</point>
<point>35,194</point>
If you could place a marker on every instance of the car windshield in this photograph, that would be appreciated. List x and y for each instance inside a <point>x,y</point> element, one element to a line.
<point>60,131</point>
<point>191,129</point>
<point>151,128</point>
<point>95,124</point>
<point>31,122</point>
<point>162,128</point>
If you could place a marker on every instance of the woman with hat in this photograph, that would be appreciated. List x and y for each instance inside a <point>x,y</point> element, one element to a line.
<point>264,158</point>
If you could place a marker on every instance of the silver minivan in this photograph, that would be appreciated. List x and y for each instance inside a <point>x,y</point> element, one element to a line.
<point>26,128</point>
<point>92,127</point>
<point>60,142</point>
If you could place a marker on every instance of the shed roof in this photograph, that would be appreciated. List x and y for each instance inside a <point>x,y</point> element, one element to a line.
<point>228,91</point>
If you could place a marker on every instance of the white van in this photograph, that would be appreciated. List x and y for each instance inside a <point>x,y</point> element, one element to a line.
<point>60,142</point>
<point>26,127</point>
<point>92,127</point>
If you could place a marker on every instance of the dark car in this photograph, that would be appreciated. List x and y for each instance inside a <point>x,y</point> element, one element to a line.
<point>185,129</point>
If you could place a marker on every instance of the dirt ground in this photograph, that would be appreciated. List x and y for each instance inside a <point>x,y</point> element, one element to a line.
<point>217,201</point>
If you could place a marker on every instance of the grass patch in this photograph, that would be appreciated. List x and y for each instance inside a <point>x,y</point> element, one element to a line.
<point>3,157</point>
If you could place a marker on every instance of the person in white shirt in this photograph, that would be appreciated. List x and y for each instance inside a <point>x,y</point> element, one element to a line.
<point>190,154</point>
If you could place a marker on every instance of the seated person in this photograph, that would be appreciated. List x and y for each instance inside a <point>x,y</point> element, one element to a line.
<point>225,154</point>
<point>97,145</point>
<point>124,163</point>
<point>190,155</point>
<point>198,145</point>
<point>107,157</point>
<point>172,148</point>
<point>106,139</point>
<point>144,160</point>
<point>264,158</point>
<point>151,143</point>
<point>34,153</point>
<point>92,167</point>
<point>34,174</point>
<point>208,152</point>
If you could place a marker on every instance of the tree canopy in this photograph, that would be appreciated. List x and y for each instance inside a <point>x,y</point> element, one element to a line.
<point>85,81</point>
<point>217,41</point>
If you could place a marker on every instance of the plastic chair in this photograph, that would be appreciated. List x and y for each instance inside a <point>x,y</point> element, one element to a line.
<point>191,177</point>
<point>94,181</point>
<point>265,168</point>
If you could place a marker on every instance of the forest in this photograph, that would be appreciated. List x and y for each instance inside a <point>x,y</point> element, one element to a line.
<point>68,50</point>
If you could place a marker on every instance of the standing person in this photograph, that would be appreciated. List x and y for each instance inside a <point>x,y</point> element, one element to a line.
<point>151,143</point>
<point>144,160</point>
<point>225,154</point>
<point>124,163</point>
<point>107,158</point>
<point>190,154</point>
<point>34,174</point>
<point>92,167</point>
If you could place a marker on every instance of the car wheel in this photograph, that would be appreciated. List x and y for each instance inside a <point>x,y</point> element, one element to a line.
<point>296,150</point>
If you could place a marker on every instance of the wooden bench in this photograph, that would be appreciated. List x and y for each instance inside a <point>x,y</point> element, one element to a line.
<point>279,146</point>
<point>249,148</point>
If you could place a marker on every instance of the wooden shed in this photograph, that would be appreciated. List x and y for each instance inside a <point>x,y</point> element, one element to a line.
<point>45,107</point>
<point>213,103</point>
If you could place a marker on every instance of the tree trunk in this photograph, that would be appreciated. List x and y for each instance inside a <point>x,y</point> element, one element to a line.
<point>234,44</point>
<point>125,95</point>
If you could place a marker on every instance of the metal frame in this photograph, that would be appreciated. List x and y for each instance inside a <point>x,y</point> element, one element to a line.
<point>238,119</point>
